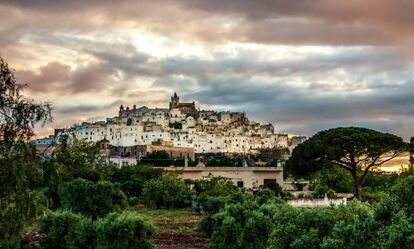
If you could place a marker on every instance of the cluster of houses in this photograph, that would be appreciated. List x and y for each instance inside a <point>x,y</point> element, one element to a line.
<point>183,131</point>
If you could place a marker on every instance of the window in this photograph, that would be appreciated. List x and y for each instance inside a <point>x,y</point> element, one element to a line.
<point>240,184</point>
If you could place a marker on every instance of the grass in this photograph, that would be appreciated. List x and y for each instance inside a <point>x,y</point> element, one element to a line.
<point>172,220</point>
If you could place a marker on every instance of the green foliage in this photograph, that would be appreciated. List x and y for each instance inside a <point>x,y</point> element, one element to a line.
<point>125,230</point>
<point>168,191</point>
<point>66,230</point>
<point>399,199</point>
<point>131,178</point>
<point>243,221</point>
<point>77,159</point>
<point>162,159</point>
<point>211,187</point>
<point>354,228</point>
<point>240,225</point>
<point>92,199</point>
<point>335,178</point>
<point>294,228</point>
<point>400,234</point>
<point>15,213</point>
<point>320,191</point>
<point>19,166</point>
<point>354,149</point>
<point>176,125</point>
<point>224,161</point>
<point>72,159</point>
<point>299,184</point>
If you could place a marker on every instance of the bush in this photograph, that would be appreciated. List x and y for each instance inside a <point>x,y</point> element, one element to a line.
<point>125,230</point>
<point>67,230</point>
<point>335,178</point>
<point>321,190</point>
<point>132,178</point>
<point>64,230</point>
<point>214,186</point>
<point>167,191</point>
<point>241,225</point>
<point>92,199</point>
<point>16,213</point>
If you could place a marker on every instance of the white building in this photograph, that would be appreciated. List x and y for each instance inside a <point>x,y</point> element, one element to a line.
<point>184,126</point>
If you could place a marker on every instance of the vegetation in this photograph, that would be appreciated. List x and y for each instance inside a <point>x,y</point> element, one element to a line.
<point>131,179</point>
<point>176,125</point>
<point>92,199</point>
<point>19,202</point>
<point>224,161</point>
<point>67,230</point>
<point>241,221</point>
<point>354,149</point>
<point>168,191</point>
<point>162,159</point>
<point>125,230</point>
<point>64,230</point>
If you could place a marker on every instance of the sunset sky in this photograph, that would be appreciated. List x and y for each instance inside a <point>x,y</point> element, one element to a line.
<point>302,65</point>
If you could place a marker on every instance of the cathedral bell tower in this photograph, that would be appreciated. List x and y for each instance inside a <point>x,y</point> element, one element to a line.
<point>175,100</point>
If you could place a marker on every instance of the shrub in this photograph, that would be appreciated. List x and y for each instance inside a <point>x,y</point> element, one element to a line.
<point>167,191</point>
<point>241,225</point>
<point>265,195</point>
<point>92,199</point>
<point>320,191</point>
<point>125,230</point>
<point>66,230</point>
<point>212,187</point>
<point>132,178</point>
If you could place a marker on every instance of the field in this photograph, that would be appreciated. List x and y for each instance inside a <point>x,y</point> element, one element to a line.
<point>176,228</point>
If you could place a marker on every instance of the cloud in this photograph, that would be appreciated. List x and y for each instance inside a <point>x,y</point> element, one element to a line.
<point>320,22</point>
<point>61,78</point>
<point>305,65</point>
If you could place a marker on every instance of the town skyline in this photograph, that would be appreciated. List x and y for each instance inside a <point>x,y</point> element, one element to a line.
<point>304,67</point>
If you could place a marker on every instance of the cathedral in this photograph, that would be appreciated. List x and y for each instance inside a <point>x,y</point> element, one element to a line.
<point>187,108</point>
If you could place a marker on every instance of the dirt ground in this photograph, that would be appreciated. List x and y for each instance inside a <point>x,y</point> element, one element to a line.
<point>177,229</point>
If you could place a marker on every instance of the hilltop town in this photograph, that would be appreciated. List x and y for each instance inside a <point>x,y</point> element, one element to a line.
<point>182,125</point>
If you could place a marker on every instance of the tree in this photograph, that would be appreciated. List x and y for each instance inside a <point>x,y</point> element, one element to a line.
<point>167,191</point>
<point>124,230</point>
<point>18,162</point>
<point>71,159</point>
<point>18,115</point>
<point>157,158</point>
<point>355,149</point>
<point>92,199</point>
<point>131,178</point>
<point>65,229</point>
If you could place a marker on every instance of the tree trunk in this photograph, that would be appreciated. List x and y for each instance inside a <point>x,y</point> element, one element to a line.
<point>357,184</point>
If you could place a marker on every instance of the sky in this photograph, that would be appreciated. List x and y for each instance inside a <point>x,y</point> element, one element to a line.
<point>302,65</point>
